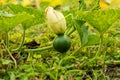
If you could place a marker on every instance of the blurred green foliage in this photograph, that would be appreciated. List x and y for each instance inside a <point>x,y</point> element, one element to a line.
<point>37,60</point>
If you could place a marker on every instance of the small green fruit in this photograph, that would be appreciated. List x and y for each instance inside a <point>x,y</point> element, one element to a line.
<point>62,43</point>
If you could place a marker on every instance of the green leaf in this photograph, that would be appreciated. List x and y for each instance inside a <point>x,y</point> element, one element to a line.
<point>95,5</point>
<point>24,78</point>
<point>12,76</point>
<point>7,22</point>
<point>92,40</point>
<point>6,61</point>
<point>83,31</point>
<point>84,39</point>
<point>38,15</point>
<point>65,59</point>
<point>1,6</point>
<point>6,77</point>
<point>52,76</point>
<point>101,20</point>
<point>82,5</point>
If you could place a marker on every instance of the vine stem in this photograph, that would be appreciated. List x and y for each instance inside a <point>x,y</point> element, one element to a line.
<point>38,49</point>
<point>22,42</point>
<point>76,51</point>
<point>71,30</point>
<point>117,62</point>
<point>69,15</point>
<point>6,39</point>
<point>100,51</point>
<point>68,33</point>
<point>100,46</point>
<point>10,54</point>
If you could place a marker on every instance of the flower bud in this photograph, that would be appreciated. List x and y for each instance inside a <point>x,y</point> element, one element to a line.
<point>55,20</point>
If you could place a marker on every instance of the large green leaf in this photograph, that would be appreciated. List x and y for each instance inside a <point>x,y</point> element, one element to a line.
<point>83,31</point>
<point>85,35</point>
<point>86,38</point>
<point>9,21</point>
<point>38,15</point>
<point>101,20</point>
<point>93,40</point>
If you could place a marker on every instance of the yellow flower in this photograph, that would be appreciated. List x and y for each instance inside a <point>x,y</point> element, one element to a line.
<point>26,2</point>
<point>53,2</point>
<point>103,5</point>
<point>55,20</point>
<point>3,2</point>
<point>14,1</point>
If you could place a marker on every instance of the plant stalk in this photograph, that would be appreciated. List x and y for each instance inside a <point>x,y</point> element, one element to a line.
<point>117,62</point>
<point>6,39</point>
<point>22,42</point>
<point>100,46</point>
<point>70,31</point>
<point>38,49</point>
<point>10,54</point>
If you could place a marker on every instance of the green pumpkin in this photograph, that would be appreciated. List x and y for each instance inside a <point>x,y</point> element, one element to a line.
<point>62,43</point>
